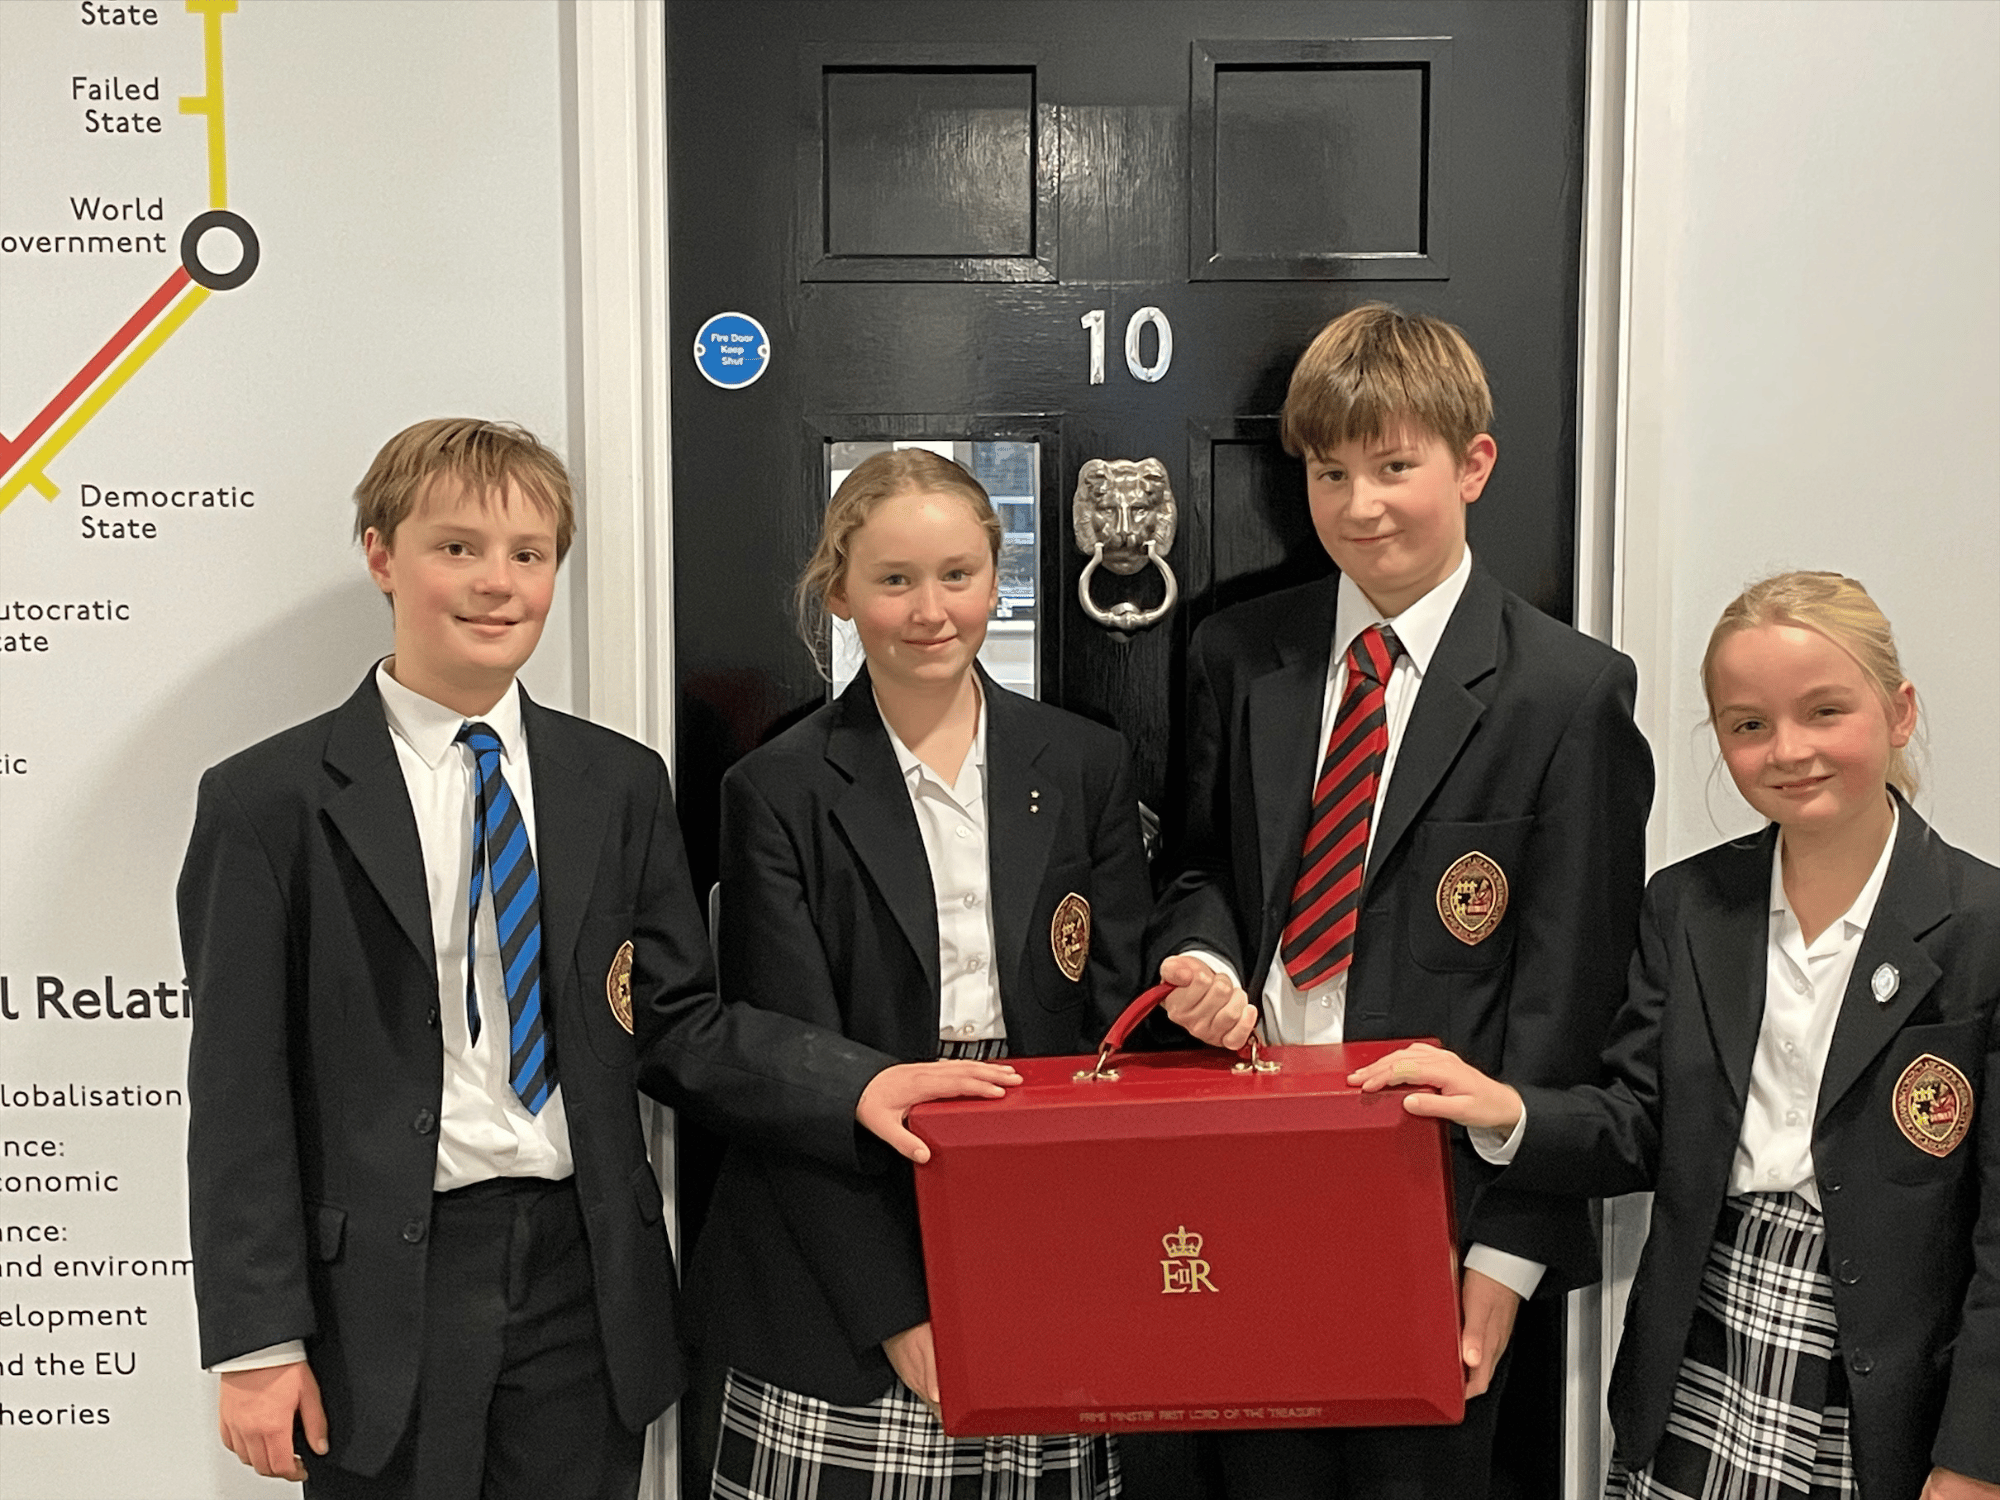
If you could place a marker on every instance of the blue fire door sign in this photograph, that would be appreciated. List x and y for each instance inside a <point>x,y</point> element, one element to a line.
<point>732,350</point>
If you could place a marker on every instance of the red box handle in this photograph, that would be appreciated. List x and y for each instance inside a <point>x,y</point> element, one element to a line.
<point>1127,1023</point>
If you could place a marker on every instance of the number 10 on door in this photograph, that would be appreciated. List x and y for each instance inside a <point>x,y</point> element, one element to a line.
<point>1163,358</point>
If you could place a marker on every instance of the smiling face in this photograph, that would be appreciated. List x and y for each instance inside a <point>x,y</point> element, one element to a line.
<point>471,582</point>
<point>919,586</point>
<point>1390,511</point>
<point>1804,731</point>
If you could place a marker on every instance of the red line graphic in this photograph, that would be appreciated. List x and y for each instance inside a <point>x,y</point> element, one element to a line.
<point>12,448</point>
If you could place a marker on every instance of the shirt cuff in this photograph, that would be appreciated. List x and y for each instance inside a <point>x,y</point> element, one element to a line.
<point>1216,962</point>
<point>290,1352</point>
<point>1495,1149</point>
<point>1515,1272</point>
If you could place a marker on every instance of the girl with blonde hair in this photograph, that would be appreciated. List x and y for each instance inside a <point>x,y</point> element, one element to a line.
<point>935,867</point>
<point>1803,1073</point>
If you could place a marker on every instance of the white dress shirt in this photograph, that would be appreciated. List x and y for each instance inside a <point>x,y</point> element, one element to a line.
<point>952,820</point>
<point>484,1130</point>
<point>1803,989</point>
<point>1319,1016</point>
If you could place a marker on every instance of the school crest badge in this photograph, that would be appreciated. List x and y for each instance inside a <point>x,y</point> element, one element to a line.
<point>1933,1104</point>
<point>1472,898</point>
<point>1069,935</point>
<point>618,985</point>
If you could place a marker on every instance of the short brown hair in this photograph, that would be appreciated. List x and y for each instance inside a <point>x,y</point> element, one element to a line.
<point>1839,609</point>
<point>482,456</point>
<point>1373,371</point>
<point>879,477</point>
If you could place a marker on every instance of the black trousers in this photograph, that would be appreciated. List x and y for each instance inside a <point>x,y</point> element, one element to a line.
<point>1368,1463</point>
<point>513,1398</point>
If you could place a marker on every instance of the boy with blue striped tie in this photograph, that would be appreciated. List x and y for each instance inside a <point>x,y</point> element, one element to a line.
<point>441,936</point>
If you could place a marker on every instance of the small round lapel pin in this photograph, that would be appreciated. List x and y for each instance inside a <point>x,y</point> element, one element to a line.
<point>1884,983</point>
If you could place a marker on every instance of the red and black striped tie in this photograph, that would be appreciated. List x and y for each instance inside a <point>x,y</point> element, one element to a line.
<point>1318,941</point>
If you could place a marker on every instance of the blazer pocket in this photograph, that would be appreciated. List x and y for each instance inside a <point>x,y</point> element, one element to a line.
<point>1463,883</point>
<point>329,1230</point>
<point>604,980</point>
<point>1915,1102</point>
<point>646,1193</point>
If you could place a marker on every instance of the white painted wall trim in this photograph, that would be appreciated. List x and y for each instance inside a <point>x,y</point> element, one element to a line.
<point>1601,312</point>
<point>1642,620</point>
<point>1603,295</point>
<point>622,439</point>
<point>620,301</point>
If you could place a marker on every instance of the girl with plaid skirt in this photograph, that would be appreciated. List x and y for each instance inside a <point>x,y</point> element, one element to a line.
<point>936,867</point>
<point>1804,1074</point>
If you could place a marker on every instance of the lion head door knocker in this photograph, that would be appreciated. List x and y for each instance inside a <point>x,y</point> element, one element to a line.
<point>1124,513</point>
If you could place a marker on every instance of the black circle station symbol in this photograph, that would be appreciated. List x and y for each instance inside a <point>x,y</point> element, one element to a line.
<point>219,218</point>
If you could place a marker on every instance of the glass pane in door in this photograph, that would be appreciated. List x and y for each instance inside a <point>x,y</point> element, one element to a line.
<point>1011,473</point>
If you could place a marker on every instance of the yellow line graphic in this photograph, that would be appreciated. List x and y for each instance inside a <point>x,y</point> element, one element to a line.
<point>210,103</point>
<point>55,442</point>
<point>31,470</point>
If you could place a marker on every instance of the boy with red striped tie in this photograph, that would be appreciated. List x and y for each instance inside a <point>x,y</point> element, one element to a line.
<point>1416,806</point>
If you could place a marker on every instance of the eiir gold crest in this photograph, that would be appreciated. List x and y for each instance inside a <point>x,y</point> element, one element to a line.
<point>1069,935</point>
<point>1933,1104</point>
<point>1472,898</point>
<point>1184,1270</point>
<point>618,985</point>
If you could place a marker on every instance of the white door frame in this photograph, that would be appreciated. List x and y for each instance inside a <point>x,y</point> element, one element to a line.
<point>1611,123</point>
<point>621,441</point>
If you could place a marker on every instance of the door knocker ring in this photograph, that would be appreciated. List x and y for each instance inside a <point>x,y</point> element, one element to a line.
<point>1125,517</point>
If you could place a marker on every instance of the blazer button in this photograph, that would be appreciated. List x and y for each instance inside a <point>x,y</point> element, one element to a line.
<point>1831,1184</point>
<point>413,1232</point>
<point>431,1018</point>
<point>424,1123</point>
<point>1849,1272</point>
<point>1860,1363</point>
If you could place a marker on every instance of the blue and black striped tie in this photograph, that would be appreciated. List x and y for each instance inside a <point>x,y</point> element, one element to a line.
<point>500,849</point>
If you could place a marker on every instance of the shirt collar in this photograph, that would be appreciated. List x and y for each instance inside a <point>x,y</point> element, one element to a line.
<point>1857,916</point>
<point>915,772</point>
<point>431,729</point>
<point>1419,628</point>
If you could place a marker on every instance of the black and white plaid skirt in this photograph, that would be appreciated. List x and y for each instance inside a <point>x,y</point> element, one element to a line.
<point>780,1445</point>
<point>777,1444</point>
<point>1760,1408</point>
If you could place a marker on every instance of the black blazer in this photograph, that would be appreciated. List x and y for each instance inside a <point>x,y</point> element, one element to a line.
<point>315,1070</point>
<point>828,915</point>
<point>1520,746</point>
<point>1913,1240</point>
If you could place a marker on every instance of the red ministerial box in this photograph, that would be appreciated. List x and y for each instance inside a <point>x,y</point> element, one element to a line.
<point>1190,1246</point>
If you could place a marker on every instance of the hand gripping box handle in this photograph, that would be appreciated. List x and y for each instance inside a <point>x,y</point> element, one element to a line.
<point>1250,1060</point>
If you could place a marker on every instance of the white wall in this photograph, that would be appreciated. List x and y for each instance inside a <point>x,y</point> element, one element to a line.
<point>404,167</point>
<point>1811,378</point>
<point>1814,360</point>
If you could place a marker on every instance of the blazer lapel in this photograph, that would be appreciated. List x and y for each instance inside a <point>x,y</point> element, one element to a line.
<point>1443,715</point>
<point>1913,900</point>
<point>881,827</point>
<point>1728,940</point>
<point>373,813</point>
<point>1023,811</point>
<point>1284,711</point>
<point>571,814</point>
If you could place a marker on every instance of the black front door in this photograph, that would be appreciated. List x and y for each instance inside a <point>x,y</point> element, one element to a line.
<point>1046,232</point>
